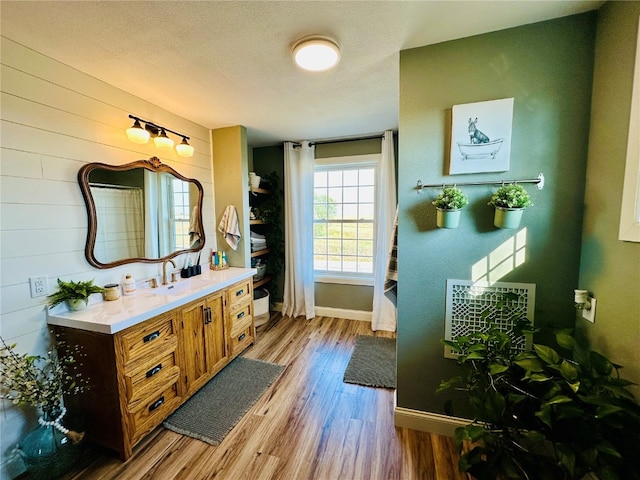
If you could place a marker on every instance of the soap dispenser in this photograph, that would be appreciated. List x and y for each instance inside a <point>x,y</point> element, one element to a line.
<point>128,285</point>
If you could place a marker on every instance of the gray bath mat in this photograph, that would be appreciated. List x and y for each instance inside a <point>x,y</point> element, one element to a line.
<point>373,362</point>
<point>215,409</point>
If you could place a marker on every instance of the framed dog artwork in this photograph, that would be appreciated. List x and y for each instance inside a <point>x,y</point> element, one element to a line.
<point>481,136</point>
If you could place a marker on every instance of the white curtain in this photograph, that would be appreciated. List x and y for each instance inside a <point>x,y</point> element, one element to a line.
<point>384,312</point>
<point>298,296</point>
<point>120,231</point>
<point>151,196</point>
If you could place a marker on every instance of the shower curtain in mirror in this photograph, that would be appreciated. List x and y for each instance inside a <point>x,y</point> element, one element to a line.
<point>120,232</point>
<point>298,278</point>
<point>384,313</point>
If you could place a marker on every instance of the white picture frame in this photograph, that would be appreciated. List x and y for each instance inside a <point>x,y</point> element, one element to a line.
<point>481,137</point>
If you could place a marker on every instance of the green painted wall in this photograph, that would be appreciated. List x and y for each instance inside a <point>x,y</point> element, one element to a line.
<point>610,268</point>
<point>547,68</point>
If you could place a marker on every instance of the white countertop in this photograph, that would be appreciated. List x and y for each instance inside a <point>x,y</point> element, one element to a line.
<point>114,316</point>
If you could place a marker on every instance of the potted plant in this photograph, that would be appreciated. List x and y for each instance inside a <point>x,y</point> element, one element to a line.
<point>509,201</point>
<point>75,294</point>
<point>41,381</point>
<point>540,414</point>
<point>448,205</point>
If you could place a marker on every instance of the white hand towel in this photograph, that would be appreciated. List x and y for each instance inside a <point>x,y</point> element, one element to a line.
<point>229,227</point>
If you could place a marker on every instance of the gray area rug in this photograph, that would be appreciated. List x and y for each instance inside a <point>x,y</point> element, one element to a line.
<point>215,409</point>
<point>373,362</point>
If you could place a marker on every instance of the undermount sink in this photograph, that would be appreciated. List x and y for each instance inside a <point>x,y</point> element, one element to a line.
<point>178,288</point>
<point>170,289</point>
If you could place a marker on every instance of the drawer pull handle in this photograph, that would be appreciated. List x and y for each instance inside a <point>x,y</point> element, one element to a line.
<point>154,370</point>
<point>156,404</point>
<point>240,315</point>
<point>241,337</point>
<point>240,292</point>
<point>151,336</point>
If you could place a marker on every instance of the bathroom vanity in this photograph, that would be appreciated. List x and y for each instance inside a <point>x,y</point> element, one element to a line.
<point>146,354</point>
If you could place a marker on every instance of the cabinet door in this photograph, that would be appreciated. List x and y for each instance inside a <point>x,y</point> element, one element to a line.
<point>204,344</point>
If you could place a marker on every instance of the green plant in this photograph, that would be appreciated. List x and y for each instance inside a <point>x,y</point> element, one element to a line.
<point>40,380</point>
<point>512,195</point>
<point>541,415</point>
<point>451,198</point>
<point>73,291</point>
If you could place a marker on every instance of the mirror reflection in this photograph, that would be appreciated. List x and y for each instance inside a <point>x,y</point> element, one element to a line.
<point>144,211</point>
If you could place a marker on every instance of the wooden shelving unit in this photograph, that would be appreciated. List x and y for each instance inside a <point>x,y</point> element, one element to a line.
<point>259,253</point>
<point>256,222</point>
<point>263,281</point>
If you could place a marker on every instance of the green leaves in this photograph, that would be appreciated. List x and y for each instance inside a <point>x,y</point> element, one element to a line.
<point>542,411</point>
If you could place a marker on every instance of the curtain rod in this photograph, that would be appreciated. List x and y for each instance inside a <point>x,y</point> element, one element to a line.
<point>539,181</point>
<point>341,140</point>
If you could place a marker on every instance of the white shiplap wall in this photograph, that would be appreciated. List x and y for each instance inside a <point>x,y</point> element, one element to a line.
<point>55,119</point>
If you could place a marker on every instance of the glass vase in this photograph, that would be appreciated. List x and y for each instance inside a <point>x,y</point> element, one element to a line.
<point>47,452</point>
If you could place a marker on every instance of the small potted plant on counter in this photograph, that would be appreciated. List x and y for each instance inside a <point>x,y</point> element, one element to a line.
<point>75,294</point>
<point>448,205</point>
<point>509,201</point>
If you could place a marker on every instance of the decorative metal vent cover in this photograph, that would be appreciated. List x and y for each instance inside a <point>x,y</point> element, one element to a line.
<point>467,300</point>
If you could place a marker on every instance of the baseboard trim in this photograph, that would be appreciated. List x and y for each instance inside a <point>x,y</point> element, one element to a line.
<point>335,312</point>
<point>427,421</point>
<point>343,313</point>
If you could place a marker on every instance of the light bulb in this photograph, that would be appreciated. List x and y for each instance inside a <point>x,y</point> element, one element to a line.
<point>316,54</point>
<point>137,134</point>
<point>162,141</point>
<point>184,149</point>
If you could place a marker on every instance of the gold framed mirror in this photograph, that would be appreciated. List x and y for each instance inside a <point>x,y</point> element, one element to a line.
<point>143,211</point>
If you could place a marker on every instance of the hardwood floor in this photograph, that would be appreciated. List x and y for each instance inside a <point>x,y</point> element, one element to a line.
<point>308,424</point>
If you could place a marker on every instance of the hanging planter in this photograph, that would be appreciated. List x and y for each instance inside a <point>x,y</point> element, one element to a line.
<point>509,202</point>
<point>448,204</point>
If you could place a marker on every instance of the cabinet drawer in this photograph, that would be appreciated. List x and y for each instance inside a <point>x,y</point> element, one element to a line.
<point>239,324</point>
<point>150,377</point>
<point>239,294</point>
<point>241,340</point>
<point>150,338</point>
<point>153,411</point>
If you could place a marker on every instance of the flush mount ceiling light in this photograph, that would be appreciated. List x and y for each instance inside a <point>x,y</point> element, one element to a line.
<point>137,134</point>
<point>316,53</point>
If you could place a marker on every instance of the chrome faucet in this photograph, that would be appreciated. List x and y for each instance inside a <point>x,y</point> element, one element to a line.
<point>164,270</point>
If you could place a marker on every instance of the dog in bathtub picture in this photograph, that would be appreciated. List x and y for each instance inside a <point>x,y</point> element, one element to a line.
<point>487,150</point>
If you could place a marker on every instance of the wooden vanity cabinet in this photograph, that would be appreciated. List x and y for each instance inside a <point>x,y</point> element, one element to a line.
<point>204,340</point>
<point>239,319</point>
<point>142,374</point>
<point>134,378</point>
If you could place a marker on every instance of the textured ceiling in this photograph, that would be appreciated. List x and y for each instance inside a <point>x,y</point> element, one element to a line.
<point>221,63</point>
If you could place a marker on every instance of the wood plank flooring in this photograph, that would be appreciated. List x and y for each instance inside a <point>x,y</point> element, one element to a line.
<point>308,425</point>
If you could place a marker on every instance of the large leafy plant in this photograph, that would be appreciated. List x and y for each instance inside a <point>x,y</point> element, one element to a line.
<point>540,414</point>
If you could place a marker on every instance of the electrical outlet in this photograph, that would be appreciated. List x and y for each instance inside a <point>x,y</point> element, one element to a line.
<point>39,287</point>
<point>590,314</point>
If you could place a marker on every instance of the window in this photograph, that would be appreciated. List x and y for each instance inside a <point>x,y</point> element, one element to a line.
<point>344,217</point>
<point>178,213</point>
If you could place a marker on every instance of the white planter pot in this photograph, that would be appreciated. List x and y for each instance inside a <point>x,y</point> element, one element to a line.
<point>507,217</point>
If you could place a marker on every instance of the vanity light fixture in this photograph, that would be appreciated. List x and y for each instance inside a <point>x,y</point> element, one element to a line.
<point>184,149</point>
<point>162,141</point>
<point>137,134</point>
<point>316,53</point>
